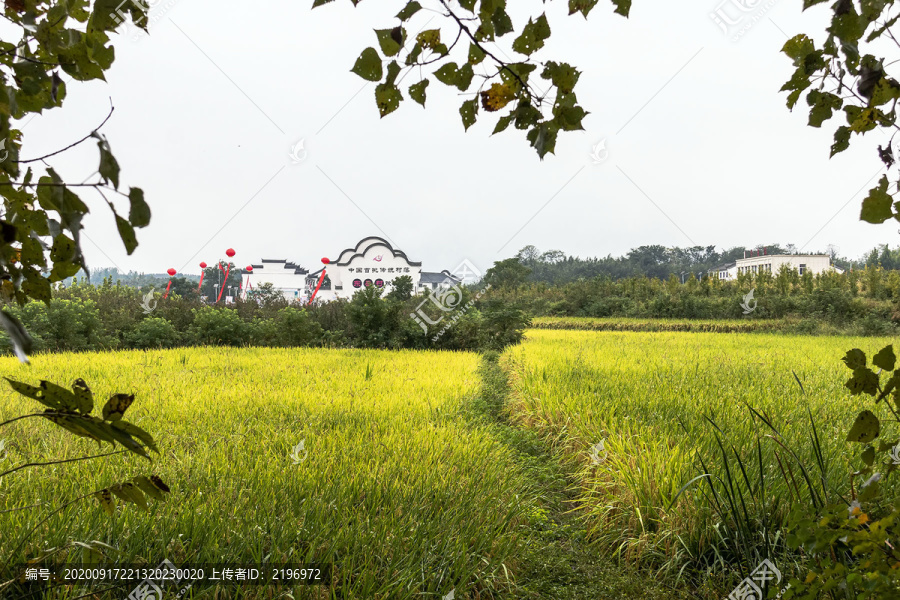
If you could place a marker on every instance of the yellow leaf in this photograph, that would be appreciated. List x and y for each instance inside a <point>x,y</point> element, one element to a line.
<point>498,96</point>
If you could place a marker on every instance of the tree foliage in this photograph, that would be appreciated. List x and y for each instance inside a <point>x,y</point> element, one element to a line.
<point>537,97</point>
<point>42,213</point>
<point>850,75</point>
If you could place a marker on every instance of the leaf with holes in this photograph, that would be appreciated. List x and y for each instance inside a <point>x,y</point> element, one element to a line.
<point>865,429</point>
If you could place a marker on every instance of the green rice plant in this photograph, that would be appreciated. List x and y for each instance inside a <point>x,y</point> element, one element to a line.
<point>708,441</point>
<point>392,486</point>
<point>748,325</point>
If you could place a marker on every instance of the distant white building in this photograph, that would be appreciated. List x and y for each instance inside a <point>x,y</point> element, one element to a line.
<point>771,263</point>
<point>372,262</point>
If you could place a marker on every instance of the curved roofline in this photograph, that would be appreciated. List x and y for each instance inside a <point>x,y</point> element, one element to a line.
<point>377,241</point>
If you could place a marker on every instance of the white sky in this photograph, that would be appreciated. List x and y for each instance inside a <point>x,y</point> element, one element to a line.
<point>209,106</point>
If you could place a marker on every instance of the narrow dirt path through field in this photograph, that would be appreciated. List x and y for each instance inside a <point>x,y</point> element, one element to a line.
<point>557,562</point>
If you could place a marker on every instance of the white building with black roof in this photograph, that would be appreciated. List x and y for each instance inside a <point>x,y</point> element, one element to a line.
<point>373,261</point>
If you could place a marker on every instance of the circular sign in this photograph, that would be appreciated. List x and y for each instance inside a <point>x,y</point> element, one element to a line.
<point>357,283</point>
<point>367,283</point>
<point>379,283</point>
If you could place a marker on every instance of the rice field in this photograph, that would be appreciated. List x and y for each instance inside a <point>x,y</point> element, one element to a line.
<point>402,490</point>
<point>393,486</point>
<point>748,325</point>
<point>647,396</point>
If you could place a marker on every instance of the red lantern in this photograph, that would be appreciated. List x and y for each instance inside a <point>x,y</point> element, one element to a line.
<point>171,273</point>
<point>199,285</point>
<point>325,261</point>
<point>250,269</point>
<point>230,252</point>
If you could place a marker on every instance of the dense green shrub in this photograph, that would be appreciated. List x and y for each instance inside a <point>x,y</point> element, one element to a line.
<point>153,332</point>
<point>219,326</point>
<point>294,327</point>
<point>63,325</point>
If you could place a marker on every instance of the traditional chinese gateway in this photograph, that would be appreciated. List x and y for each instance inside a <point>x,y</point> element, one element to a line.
<point>372,262</point>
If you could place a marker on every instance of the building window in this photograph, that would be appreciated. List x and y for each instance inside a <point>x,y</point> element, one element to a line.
<point>802,269</point>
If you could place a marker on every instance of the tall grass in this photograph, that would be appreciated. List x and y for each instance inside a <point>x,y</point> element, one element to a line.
<point>399,491</point>
<point>708,438</point>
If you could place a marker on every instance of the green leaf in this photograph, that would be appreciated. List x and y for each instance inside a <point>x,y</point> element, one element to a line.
<point>855,359</point>
<point>391,40</point>
<point>623,7</point>
<point>393,69</point>
<point>865,429</point>
<point>388,98</point>
<point>467,111</point>
<point>562,75</point>
<point>129,492</point>
<point>139,213</point>
<point>502,124</point>
<point>543,138</point>
<point>126,232</point>
<point>109,167</point>
<point>417,91</point>
<point>464,77</point>
<point>876,207</point>
<point>841,140</point>
<point>526,115</point>
<point>447,73</point>
<point>532,37</point>
<point>885,359</point>
<point>116,406</point>
<point>429,38</point>
<point>582,6</point>
<point>60,396</point>
<point>822,106</point>
<point>868,455</point>
<point>106,501</point>
<point>414,54</point>
<point>368,65</point>
<point>476,55</point>
<point>886,90</point>
<point>501,22</point>
<point>409,10</point>
<point>63,248</point>
<point>135,431</point>
<point>149,488</point>
<point>73,424</point>
<point>35,393</point>
<point>124,438</point>
<point>864,380</point>
<point>798,48</point>
<point>35,286</point>
<point>83,396</point>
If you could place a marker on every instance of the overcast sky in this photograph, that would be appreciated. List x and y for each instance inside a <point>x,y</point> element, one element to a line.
<point>701,147</point>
